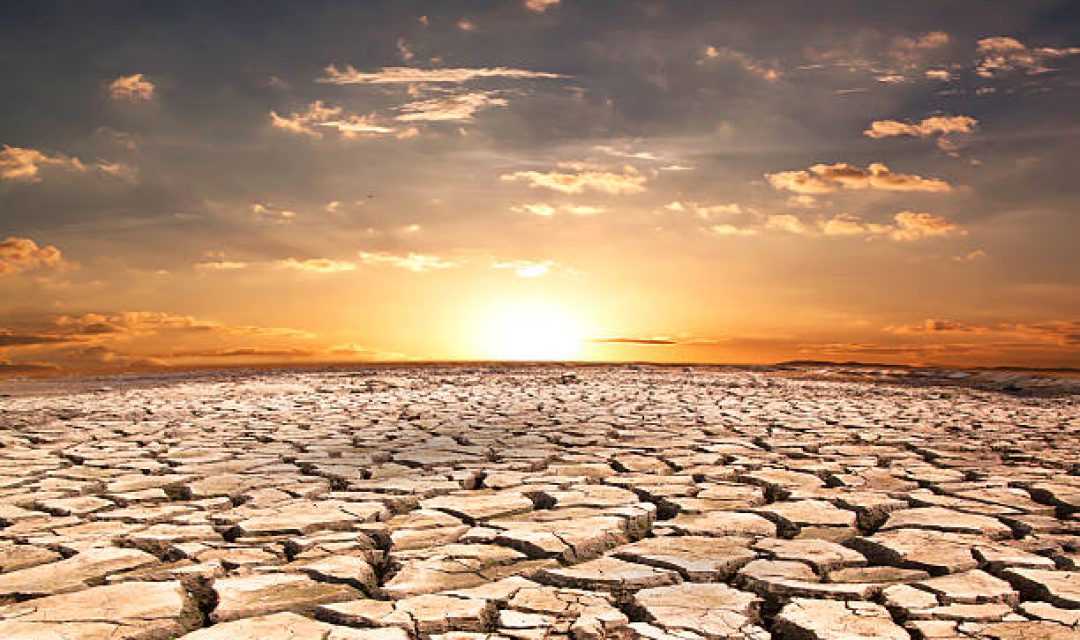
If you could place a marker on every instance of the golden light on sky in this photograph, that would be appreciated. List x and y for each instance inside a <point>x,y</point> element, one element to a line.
<point>529,330</point>
<point>612,181</point>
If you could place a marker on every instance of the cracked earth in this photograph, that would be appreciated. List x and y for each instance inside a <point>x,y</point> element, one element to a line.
<point>538,502</point>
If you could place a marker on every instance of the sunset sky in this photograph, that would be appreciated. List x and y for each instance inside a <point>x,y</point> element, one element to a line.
<point>187,183</point>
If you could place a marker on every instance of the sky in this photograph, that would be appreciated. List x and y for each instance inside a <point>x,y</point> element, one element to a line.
<point>218,183</point>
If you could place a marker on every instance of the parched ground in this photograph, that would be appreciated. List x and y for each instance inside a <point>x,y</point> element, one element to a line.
<point>482,503</point>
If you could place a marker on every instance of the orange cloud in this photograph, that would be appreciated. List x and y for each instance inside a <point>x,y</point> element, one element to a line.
<point>24,165</point>
<point>134,88</point>
<point>970,256</point>
<point>704,211</point>
<point>221,265</point>
<point>731,230</point>
<point>786,222</point>
<point>637,341</point>
<point>939,126</point>
<point>1059,332</point>
<point>748,64</point>
<point>934,125</point>
<point>272,214</point>
<point>548,210</point>
<point>628,182</point>
<point>23,254</point>
<point>908,226</point>
<point>415,75</point>
<point>934,325</point>
<point>319,118</point>
<point>316,265</point>
<point>1000,55</point>
<point>827,178</point>
<point>526,268</point>
<point>540,6</point>
<point>453,108</point>
<point>412,261</point>
<point>915,226</point>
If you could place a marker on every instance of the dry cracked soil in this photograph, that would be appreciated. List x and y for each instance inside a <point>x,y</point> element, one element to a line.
<point>481,503</point>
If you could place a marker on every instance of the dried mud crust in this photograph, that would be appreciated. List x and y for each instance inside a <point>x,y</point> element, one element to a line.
<point>480,503</point>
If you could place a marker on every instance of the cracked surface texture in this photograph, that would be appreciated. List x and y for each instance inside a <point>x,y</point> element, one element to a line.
<point>490,503</point>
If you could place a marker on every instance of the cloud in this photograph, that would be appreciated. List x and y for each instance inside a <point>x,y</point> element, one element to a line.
<point>890,60</point>
<point>934,125</point>
<point>316,265</point>
<point>404,52</point>
<point>18,164</point>
<point>416,75</point>
<point>234,352</point>
<point>638,341</point>
<point>540,6</point>
<point>928,40</point>
<point>10,339</point>
<point>939,126</point>
<point>138,339</point>
<point>1001,55</point>
<point>847,225</point>
<point>628,182</point>
<point>915,226</point>
<point>1060,332</point>
<point>803,201</point>
<point>454,108</point>
<point>934,325</point>
<point>704,211</point>
<point>221,265</point>
<point>970,256</point>
<point>786,222</point>
<point>826,178</point>
<point>747,63</point>
<point>526,268</point>
<point>548,210</point>
<point>23,254</point>
<point>908,226</point>
<point>320,118</point>
<point>412,261</point>
<point>117,170</point>
<point>134,88</point>
<point>272,214</point>
<point>151,322</point>
<point>731,230</point>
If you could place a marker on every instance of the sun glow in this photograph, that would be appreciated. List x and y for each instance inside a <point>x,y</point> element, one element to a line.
<point>531,331</point>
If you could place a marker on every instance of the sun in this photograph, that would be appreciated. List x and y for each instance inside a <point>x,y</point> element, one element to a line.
<point>530,331</point>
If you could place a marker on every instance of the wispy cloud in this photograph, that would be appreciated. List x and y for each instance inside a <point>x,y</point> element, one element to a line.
<point>704,211</point>
<point>412,261</point>
<point>268,213</point>
<point>526,268</point>
<point>630,181</point>
<point>319,118</point>
<point>453,108</point>
<point>662,341</point>
<point>418,75</point>
<point>546,210</point>
<point>770,72</point>
<point>316,265</point>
